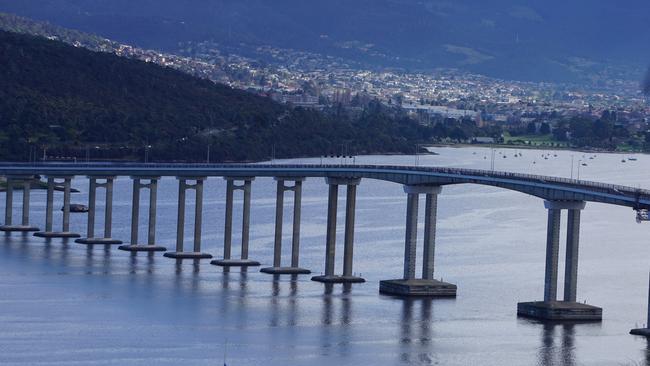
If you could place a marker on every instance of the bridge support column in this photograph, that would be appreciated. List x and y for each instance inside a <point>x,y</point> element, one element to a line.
<point>551,308</point>
<point>227,261</point>
<point>330,249</point>
<point>135,216</point>
<point>108,213</point>
<point>65,232</point>
<point>24,226</point>
<point>409,285</point>
<point>183,186</point>
<point>295,240</point>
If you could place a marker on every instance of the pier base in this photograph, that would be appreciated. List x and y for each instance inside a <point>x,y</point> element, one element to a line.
<point>98,241</point>
<point>50,235</point>
<point>559,311</point>
<point>142,248</point>
<point>338,279</point>
<point>417,287</point>
<point>187,255</point>
<point>645,332</point>
<point>285,270</point>
<point>235,263</point>
<point>18,228</point>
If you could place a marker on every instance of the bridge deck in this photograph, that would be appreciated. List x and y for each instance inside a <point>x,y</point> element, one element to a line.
<point>546,187</point>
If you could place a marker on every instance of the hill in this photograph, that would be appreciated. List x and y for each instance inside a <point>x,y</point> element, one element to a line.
<point>69,100</point>
<point>553,40</point>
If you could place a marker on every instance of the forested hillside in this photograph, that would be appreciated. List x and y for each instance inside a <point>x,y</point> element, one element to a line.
<point>71,101</point>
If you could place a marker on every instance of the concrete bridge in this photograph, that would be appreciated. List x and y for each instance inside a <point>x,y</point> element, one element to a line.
<point>558,194</point>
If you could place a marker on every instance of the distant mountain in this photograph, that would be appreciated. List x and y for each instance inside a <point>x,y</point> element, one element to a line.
<point>68,100</point>
<point>552,40</point>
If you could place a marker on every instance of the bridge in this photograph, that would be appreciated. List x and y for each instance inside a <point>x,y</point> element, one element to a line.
<point>558,194</point>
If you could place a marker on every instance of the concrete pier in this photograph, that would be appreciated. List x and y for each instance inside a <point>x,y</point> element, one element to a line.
<point>24,226</point>
<point>180,253</point>
<point>409,285</point>
<point>330,245</point>
<point>107,239</point>
<point>49,209</point>
<point>135,245</point>
<point>279,216</point>
<point>644,331</point>
<point>243,261</point>
<point>568,309</point>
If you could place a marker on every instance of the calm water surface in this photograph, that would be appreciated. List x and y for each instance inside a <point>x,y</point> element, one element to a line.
<point>64,304</point>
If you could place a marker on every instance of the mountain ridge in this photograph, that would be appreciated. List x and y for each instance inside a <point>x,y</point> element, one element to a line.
<point>512,39</point>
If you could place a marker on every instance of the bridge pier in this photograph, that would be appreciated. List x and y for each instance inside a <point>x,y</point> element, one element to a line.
<point>330,245</point>
<point>183,186</point>
<point>227,261</point>
<point>551,308</point>
<point>135,216</point>
<point>65,232</point>
<point>644,331</point>
<point>90,238</point>
<point>24,226</point>
<point>409,285</point>
<point>295,240</point>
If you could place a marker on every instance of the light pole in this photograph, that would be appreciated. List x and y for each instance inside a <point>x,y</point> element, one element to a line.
<point>579,164</point>
<point>492,160</point>
<point>146,153</point>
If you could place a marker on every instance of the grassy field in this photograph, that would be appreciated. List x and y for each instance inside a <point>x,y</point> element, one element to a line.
<point>533,140</point>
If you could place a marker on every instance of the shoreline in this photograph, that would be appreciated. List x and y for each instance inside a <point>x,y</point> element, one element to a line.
<point>547,148</point>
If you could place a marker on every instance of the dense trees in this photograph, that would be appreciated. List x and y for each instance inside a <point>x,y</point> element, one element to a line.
<point>74,102</point>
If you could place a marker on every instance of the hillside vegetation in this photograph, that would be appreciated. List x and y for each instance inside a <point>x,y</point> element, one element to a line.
<point>70,101</point>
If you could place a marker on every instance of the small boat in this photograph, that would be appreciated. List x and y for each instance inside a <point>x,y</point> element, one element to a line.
<point>631,159</point>
<point>623,161</point>
<point>77,208</point>
<point>584,164</point>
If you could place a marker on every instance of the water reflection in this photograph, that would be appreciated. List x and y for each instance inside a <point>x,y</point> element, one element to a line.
<point>415,333</point>
<point>562,354</point>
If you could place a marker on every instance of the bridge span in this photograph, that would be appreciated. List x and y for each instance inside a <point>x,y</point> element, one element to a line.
<point>559,194</point>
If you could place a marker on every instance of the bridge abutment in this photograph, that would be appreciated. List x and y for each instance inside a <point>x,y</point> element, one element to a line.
<point>330,245</point>
<point>151,246</point>
<point>277,268</point>
<point>227,261</point>
<point>180,253</point>
<point>551,308</point>
<point>49,210</point>
<point>409,285</point>
<point>90,238</point>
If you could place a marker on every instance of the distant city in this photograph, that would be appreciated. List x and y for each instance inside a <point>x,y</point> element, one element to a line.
<point>316,81</point>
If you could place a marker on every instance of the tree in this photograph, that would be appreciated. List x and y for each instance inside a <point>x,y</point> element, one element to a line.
<point>531,128</point>
<point>545,129</point>
<point>603,129</point>
<point>458,134</point>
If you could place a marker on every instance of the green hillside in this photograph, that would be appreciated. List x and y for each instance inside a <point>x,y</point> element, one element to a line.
<point>70,100</point>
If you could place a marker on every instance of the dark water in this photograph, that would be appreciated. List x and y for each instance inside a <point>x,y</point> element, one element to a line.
<point>61,303</point>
